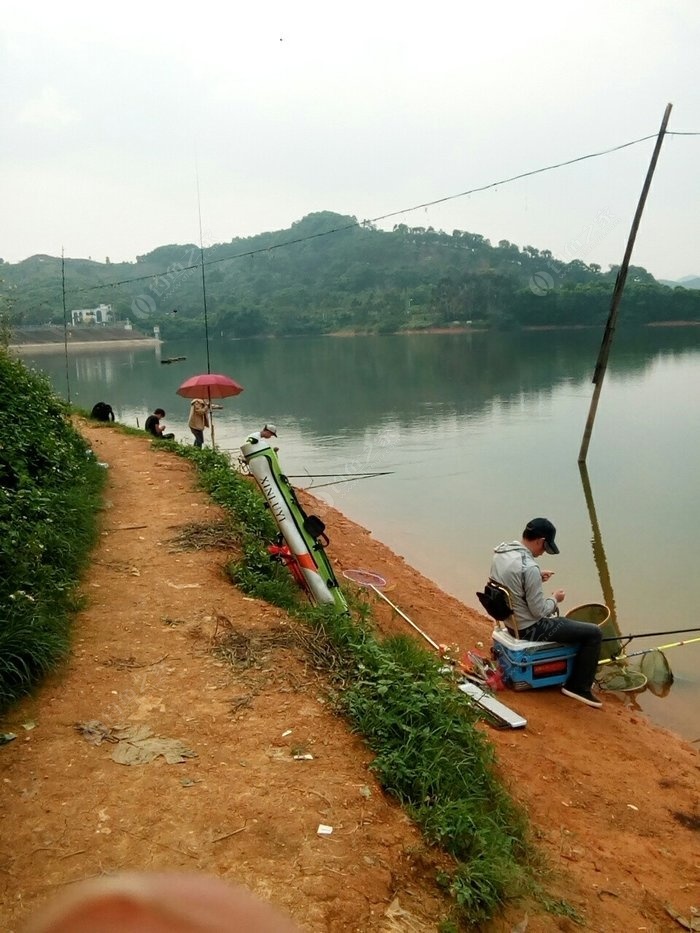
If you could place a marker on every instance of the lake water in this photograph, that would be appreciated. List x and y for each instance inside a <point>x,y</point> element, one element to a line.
<point>482,432</point>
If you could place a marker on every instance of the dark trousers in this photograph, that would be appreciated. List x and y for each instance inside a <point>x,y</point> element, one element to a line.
<point>570,632</point>
<point>198,437</point>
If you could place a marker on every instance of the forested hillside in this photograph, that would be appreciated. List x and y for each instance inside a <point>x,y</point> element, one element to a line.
<point>328,273</point>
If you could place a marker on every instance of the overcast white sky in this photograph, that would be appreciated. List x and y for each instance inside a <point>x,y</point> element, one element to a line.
<point>361,108</point>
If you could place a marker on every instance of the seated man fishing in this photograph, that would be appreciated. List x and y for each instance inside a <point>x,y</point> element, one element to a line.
<point>154,427</point>
<point>536,617</point>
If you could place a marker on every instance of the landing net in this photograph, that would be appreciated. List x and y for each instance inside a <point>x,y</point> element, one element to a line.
<point>365,578</point>
<point>620,677</point>
<point>655,667</point>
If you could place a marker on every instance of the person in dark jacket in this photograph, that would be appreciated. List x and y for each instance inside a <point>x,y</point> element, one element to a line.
<point>102,412</point>
<point>154,427</point>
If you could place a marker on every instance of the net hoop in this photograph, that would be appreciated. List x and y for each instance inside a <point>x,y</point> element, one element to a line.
<point>621,679</point>
<point>655,667</point>
<point>365,578</point>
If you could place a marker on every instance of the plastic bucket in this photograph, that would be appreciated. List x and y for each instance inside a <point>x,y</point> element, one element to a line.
<point>599,615</point>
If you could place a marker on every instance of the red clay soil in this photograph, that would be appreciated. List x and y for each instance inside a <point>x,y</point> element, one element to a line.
<point>613,800</point>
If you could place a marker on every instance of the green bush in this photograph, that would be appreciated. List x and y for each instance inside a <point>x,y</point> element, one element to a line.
<point>50,487</point>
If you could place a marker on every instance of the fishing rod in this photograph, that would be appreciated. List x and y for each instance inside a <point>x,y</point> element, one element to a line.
<point>636,654</point>
<point>339,482</point>
<point>499,714</point>
<point>677,631</point>
<point>353,477</point>
<point>688,641</point>
<point>480,677</point>
<point>328,475</point>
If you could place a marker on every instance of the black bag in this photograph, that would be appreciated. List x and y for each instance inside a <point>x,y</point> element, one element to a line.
<point>102,412</point>
<point>496,601</point>
<point>315,527</point>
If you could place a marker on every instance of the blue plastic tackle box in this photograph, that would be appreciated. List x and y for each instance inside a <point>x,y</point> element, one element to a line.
<point>530,664</point>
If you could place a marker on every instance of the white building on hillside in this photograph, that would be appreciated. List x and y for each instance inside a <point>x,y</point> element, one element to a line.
<point>102,314</point>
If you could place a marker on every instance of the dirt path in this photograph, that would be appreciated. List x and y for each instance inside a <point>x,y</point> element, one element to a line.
<point>612,799</point>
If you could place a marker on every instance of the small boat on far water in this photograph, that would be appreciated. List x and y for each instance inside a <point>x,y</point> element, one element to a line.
<point>174,359</point>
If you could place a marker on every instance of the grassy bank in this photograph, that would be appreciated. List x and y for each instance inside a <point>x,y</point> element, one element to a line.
<point>49,494</point>
<point>428,752</point>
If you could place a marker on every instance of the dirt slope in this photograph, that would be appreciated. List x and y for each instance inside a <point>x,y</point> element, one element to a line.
<point>245,808</point>
<point>614,800</point>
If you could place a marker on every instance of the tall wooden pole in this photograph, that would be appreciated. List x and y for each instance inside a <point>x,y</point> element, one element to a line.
<point>604,353</point>
<point>65,322</point>
<point>204,281</point>
<point>211,419</point>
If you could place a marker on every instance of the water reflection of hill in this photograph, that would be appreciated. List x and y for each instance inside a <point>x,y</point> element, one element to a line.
<point>357,382</point>
<point>336,385</point>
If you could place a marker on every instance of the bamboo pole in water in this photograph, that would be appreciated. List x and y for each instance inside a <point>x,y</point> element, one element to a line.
<point>598,549</point>
<point>604,353</point>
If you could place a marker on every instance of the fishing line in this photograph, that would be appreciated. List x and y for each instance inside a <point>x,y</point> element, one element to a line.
<point>373,220</point>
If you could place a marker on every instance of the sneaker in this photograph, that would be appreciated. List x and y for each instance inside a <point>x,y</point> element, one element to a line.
<point>583,696</point>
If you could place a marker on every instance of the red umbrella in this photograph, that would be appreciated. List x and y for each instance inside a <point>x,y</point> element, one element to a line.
<point>209,386</point>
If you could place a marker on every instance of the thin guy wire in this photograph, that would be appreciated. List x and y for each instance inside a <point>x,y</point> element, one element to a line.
<point>360,223</point>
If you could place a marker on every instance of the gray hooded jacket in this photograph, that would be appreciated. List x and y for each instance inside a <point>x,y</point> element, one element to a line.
<point>515,567</point>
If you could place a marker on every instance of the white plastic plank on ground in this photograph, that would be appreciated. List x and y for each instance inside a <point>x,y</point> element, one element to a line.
<point>493,706</point>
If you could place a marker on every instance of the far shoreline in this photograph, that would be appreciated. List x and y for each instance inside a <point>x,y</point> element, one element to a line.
<point>50,347</point>
<point>486,330</point>
<point>141,342</point>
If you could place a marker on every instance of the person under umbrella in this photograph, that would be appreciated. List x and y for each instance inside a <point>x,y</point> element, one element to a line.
<point>206,387</point>
<point>198,420</point>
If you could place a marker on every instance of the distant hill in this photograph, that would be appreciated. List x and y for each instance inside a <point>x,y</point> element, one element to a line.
<point>329,273</point>
<point>688,281</point>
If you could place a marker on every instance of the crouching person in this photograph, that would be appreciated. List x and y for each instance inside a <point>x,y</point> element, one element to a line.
<point>155,428</point>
